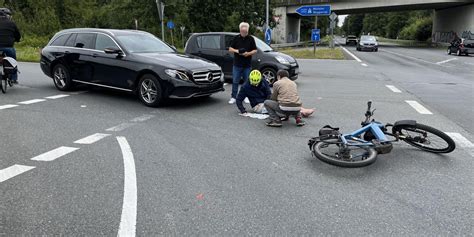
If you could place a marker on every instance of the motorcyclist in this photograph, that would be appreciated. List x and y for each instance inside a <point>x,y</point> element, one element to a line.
<point>9,34</point>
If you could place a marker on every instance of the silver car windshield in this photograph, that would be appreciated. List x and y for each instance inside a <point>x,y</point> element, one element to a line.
<point>368,38</point>
<point>143,43</point>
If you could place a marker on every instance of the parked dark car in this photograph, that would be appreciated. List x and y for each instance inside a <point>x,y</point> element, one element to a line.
<point>461,47</point>
<point>351,39</point>
<point>368,42</point>
<point>133,61</point>
<point>215,47</point>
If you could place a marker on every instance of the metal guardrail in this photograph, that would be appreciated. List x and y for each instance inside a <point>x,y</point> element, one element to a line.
<point>292,45</point>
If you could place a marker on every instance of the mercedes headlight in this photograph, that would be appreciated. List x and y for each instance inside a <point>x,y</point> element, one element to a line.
<point>282,60</point>
<point>177,74</point>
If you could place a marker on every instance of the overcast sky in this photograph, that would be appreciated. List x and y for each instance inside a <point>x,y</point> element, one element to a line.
<point>341,20</point>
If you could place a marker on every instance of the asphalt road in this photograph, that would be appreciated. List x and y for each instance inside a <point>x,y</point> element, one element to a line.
<point>442,81</point>
<point>201,169</point>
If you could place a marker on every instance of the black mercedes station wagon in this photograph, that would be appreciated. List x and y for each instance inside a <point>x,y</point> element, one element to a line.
<point>133,61</point>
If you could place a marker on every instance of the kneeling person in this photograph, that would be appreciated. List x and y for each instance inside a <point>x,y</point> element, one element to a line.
<point>257,91</point>
<point>284,100</point>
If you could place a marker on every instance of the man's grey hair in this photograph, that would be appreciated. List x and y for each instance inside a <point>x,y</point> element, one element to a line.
<point>244,24</point>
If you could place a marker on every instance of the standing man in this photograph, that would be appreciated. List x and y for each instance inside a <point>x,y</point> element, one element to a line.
<point>9,34</point>
<point>243,47</point>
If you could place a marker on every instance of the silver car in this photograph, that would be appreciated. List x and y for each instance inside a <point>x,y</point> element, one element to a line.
<point>368,42</point>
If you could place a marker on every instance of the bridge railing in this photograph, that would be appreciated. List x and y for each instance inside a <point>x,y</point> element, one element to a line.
<point>298,2</point>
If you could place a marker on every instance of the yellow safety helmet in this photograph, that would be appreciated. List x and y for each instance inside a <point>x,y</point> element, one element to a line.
<point>255,77</point>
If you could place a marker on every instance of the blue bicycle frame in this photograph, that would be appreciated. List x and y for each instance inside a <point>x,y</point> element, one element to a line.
<point>353,139</point>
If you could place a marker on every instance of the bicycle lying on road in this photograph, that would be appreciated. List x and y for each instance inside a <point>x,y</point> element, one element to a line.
<point>8,67</point>
<point>360,148</point>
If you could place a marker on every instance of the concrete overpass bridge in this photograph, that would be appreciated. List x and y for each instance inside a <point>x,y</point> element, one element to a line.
<point>450,16</point>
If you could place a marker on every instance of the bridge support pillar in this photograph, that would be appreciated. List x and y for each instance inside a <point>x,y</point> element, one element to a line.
<point>453,21</point>
<point>288,28</point>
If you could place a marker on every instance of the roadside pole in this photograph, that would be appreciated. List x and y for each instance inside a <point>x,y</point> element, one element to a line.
<point>315,27</point>
<point>161,12</point>
<point>267,24</point>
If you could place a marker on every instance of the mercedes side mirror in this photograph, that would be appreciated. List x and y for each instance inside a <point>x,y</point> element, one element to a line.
<point>113,51</point>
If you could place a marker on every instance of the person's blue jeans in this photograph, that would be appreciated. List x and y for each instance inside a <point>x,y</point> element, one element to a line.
<point>10,52</point>
<point>237,74</point>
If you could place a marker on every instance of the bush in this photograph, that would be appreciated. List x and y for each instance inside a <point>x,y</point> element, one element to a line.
<point>33,41</point>
<point>418,30</point>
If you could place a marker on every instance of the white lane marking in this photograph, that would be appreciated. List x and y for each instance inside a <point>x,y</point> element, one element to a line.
<point>128,220</point>
<point>460,140</point>
<point>28,102</point>
<point>363,64</point>
<point>418,107</point>
<point>352,55</point>
<point>406,56</point>
<point>7,106</point>
<point>393,88</point>
<point>13,171</point>
<point>142,118</point>
<point>119,127</point>
<point>56,97</point>
<point>445,61</point>
<point>92,138</point>
<point>54,154</point>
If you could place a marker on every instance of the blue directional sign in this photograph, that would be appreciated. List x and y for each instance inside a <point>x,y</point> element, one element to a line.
<point>315,10</point>
<point>315,35</point>
<point>170,25</point>
<point>268,36</point>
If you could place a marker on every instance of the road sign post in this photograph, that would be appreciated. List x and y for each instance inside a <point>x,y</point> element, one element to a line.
<point>315,37</point>
<point>314,10</point>
<point>170,25</point>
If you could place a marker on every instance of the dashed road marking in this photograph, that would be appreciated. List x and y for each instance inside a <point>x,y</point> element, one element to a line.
<point>56,97</point>
<point>54,154</point>
<point>142,118</point>
<point>363,64</point>
<point>120,127</point>
<point>128,219</point>
<point>418,107</point>
<point>13,171</point>
<point>393,88</point>
<point>92,139</point>
<point>445,61</point>
<point>28,102</point>
<point>7,106</point>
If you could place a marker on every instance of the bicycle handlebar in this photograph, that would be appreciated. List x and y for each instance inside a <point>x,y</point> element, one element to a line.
<point>368,113</point>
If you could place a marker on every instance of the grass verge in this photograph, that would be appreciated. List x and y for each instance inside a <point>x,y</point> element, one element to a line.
<point>28,53</point>
<point>335,53</point>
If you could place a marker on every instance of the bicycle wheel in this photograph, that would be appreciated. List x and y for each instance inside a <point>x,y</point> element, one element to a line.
<point>426,138</point>
<point>4,85</point>
<point>332,152</point>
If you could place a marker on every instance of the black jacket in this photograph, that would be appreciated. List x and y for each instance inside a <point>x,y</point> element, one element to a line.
<point>9,33</point>
<point>255,94</point>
